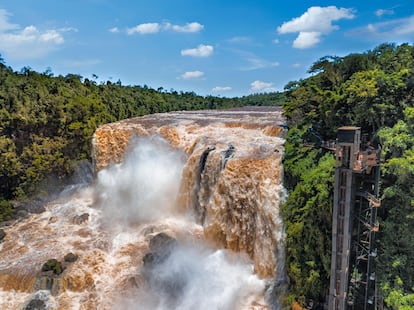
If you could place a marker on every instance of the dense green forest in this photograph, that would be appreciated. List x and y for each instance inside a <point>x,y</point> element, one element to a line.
<point>373,90</point>
<point>47,122</point>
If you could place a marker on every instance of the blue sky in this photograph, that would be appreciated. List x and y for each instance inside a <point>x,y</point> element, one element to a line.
<point>217,47</point>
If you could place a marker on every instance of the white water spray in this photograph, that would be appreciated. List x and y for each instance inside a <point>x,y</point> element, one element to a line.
<point>143,187</point>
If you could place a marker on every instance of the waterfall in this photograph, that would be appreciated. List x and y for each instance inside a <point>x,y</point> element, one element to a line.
<point>183,214</point>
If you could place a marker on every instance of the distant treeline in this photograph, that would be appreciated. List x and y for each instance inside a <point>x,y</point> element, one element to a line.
<point>373,90</point>
<point>47,122</point>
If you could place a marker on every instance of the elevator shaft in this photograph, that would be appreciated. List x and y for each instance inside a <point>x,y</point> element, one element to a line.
<point>354,223</point>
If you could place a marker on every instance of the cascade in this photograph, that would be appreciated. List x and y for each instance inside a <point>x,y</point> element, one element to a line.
<point>183,213</point>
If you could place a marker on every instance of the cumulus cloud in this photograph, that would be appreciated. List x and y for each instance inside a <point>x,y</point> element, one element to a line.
<point>145,28</point>
<point>189,27</point>
<point>314,23</point>
<point>307,39</point>
<point>27,42</point>
<point>219,89</point>
<point>151,28</point>
<point>192,75</point>
<point>200,51</point>
<point>261,87</point>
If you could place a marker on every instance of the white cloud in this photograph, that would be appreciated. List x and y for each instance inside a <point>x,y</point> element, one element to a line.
<point>401,29</point>
<point>146,28</point>
<point>256,63</point>
<point>404,26</point>
<point>307,39</point>
<point>29,42</point>
<point>189,27</point>
<point>191,75</point>
<point>199,51</point>
<point>51,36</point>
<point>4,21</point>
<point>261,87</point>
<point>218,89</point>
<point>151,28</point>
<point>114,30</point>
<point>314,23</point>
<point>276,41</point>
<point>381,12</point>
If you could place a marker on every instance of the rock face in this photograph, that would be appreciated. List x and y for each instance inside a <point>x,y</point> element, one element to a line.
<point>232,180</point>
<point>161,246</point>
<point>2,235</point>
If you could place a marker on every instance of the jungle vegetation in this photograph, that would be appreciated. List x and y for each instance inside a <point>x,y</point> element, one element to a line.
<point>375,91</point>
<point>47,122</point>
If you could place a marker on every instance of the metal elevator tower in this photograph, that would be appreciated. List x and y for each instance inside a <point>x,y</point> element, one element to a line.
<point>354,225</point>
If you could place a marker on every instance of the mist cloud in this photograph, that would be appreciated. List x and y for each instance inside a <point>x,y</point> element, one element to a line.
<point>198,278</point>
<point>143,187</point>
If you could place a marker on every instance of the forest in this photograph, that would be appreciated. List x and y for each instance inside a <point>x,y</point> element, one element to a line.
<point>373,90</point>
<point>47,123</point>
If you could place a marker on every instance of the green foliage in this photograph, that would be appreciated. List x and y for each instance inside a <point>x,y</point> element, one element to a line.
<point>307,215</point>
<point>373,90</point>
<point>6,210</point>
<point>396,298</point>
<point>53,265</point>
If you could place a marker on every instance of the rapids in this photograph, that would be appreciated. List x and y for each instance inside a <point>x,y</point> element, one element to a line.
<point>208,184</point>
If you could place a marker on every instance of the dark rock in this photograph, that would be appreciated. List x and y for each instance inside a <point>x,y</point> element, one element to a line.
<point>36,304</point>
<point>39,301</point>
<point>169,284</point>
<point>35,206</point>
<point>2,235</point>
<point>149,259</point>
<point>70,257</point>
<point>162,244</point>
<point>148,230</point>
<point>80,219</point>
<point>22,214</point>
<point>226,155</point>
<point>169,281</point>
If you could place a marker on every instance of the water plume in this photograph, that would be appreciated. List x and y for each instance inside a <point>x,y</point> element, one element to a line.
<point>144,186</point>
<point>195,277</point>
